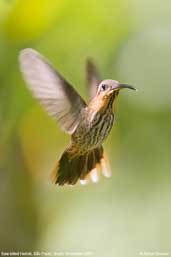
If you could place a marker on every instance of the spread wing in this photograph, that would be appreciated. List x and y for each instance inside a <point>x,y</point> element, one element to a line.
<point>54,93</point>
<point>92,77</point>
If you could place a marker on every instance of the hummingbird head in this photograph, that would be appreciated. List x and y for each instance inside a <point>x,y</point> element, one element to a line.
<point>108,88</point>
<point>107,92</point>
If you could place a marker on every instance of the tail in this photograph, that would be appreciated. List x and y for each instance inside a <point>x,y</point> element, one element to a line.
<point>69,169</point>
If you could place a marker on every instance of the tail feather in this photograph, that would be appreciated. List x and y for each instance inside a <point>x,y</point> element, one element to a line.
<point>105,164</point>
<point>71,168</point>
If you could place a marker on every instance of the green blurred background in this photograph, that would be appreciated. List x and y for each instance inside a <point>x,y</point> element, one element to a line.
<point>122,216</point>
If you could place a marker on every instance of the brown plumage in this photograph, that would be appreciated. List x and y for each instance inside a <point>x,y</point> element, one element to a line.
<point>88,125</point>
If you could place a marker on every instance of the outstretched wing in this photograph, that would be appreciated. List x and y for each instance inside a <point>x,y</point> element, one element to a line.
<point>93,78</point>
<point>54,93</point>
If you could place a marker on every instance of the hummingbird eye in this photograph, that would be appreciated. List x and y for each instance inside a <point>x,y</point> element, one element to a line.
<point>103,87</point>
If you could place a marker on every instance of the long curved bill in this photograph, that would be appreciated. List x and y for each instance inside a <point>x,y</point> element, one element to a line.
<point>120,86</point>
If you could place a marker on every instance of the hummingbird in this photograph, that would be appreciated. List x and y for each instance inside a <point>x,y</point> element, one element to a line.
<point>87,124</point>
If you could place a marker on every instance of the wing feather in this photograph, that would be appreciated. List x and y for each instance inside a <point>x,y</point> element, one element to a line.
<point>54,93</point>
<point>92,77</point>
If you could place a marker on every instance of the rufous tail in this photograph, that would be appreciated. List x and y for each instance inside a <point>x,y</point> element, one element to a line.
<point>71,168</point>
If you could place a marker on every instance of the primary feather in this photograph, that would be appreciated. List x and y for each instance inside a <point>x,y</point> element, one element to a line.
<point>92,77</point>
<point>54,93</point>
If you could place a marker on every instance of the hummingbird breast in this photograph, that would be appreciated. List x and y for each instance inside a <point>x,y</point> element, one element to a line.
<point>93,129</point>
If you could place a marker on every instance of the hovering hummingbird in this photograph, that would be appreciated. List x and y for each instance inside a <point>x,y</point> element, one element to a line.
<point>88,124</point>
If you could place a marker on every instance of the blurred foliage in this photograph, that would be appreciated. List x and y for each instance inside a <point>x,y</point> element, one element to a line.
<point>130,41</point>
<point>29,19</point>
